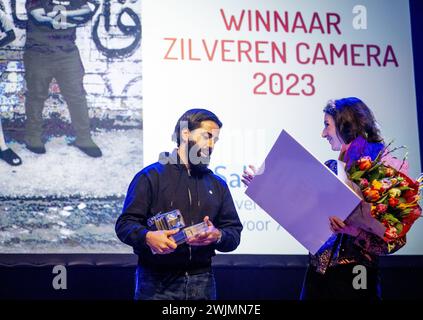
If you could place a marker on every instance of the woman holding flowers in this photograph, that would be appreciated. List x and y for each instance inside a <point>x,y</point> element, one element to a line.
<point>351,129</point>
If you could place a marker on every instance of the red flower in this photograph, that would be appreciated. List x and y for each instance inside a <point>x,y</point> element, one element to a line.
<point>364,163</point>
<point>364,183</point>
<point>391,233</point>
<point>381,208</point>
<point>393,202</point>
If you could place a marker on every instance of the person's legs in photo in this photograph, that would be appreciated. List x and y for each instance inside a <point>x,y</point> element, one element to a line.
<point>69,75</point>
<point>7,154</point>
<point>38,77</point>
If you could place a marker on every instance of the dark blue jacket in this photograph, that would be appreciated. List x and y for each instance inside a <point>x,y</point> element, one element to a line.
<point>165,186</point>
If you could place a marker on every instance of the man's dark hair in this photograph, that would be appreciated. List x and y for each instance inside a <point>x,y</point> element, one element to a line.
<point>192,119</point>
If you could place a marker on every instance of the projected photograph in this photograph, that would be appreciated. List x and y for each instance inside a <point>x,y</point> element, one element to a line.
<point>72,125</point>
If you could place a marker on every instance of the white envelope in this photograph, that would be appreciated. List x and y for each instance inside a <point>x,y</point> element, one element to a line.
<point>301,193</point>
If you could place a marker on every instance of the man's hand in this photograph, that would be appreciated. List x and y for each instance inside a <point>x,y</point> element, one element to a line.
<point>338,226</point>
<point>211,235</point>
<point>161,241</point>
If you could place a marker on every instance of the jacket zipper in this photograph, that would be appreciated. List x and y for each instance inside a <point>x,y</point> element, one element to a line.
<point>190,205</point>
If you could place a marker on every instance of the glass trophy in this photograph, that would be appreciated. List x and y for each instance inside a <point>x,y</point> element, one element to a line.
<point>174,220</point>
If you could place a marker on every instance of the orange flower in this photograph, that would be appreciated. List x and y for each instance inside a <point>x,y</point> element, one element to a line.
<point>364,163</point>
<point>366,192</point>
<point>372,195</point>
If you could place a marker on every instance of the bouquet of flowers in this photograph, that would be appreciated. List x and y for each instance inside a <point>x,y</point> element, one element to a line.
<point>392,195</point>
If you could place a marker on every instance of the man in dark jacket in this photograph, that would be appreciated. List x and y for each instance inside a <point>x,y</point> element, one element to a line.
<point>180,180</point>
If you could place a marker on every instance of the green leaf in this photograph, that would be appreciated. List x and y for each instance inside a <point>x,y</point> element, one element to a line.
<point>402,200</point>
<point>374,167</point>
<point>381,200</point>
<point>352,170</point>
<point>374,176</point>
<point>357,175</point>
<point>399,227</point>
<point>391,219</point>
<point>405,212</point>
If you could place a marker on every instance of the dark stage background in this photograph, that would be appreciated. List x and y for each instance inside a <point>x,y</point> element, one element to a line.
<point>98,276</point>
<point>238,277</point>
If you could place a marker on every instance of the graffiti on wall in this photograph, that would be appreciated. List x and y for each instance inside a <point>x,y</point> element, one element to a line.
<point>110,47</point>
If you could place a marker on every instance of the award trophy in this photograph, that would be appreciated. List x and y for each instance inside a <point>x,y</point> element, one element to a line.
<point>174,220</point>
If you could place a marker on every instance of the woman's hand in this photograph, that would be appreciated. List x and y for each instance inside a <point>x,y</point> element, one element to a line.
<point>338,226</point>
<point>248,176</point>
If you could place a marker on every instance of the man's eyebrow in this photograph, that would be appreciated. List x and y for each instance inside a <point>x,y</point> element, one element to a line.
<point>208,133</point>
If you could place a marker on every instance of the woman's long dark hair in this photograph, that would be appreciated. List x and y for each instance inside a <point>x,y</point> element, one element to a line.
<point>353,118</point>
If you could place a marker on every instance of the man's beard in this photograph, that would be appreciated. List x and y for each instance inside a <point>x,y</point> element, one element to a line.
<point>198,163</point>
